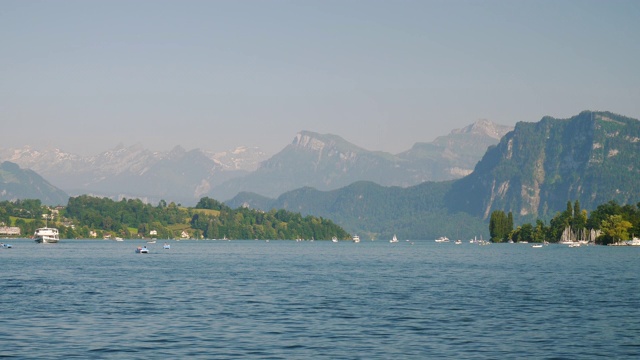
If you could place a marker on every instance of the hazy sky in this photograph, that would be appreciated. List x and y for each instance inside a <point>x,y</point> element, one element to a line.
<point>85,76</point>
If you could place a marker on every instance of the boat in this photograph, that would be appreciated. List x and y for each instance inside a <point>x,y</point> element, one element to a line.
<point>536,245</point>
<point>142,250</point>
<point>442,239</point>
<point>458,242</point>
<point>166,246</point>
<point>334,239</point>
<point>46,235</point>
<point>356,238</point>
<point>119,239</point>
<point>567,237</point>
<point>633,242</point>
<point>6,246</point>
<point>151,242</point>
<point>394,239</point>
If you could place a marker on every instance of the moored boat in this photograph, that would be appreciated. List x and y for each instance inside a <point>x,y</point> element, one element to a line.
<point>633,242</point>
<point>356,238</point>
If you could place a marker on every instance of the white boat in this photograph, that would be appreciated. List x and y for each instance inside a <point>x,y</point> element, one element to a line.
<point>442,239</point>
<point>458,242</point>
<point>356,238</point>
<point>633,242</point>
<point>394,239</point>
<point>536,245</point>
<point>151,242</point>
<point>334,239</point>
<point>166,246</point>
<point>142,250</point>
<point>6,246</point>
<point>567,237</point>
<point>119,239</point>
<point>46,235</point>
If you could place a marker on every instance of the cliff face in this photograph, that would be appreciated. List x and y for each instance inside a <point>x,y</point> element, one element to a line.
<point>593,157</point>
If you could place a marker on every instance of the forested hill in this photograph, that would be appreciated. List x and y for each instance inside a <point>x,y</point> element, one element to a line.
<point>593,157</point>
<point>17,183</point>
<point>378,212</point>
<point>210,219</point>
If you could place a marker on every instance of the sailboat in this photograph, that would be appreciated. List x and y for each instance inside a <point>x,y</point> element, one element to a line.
<point>394,239</point>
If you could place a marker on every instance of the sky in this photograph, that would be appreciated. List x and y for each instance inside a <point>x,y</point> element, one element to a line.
<point>86,76</point>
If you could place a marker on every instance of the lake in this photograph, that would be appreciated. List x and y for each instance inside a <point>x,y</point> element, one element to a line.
<point>247,299</point>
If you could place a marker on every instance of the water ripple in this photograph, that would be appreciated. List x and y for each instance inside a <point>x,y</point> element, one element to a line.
<point>286,300</point>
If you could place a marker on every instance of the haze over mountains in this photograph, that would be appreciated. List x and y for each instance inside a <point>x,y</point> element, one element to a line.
<point>592,157</point>
<point>16,183</point>
<point>321,161</point>
<point>532,171</point>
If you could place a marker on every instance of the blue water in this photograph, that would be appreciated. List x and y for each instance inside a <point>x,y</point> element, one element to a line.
<point>318,300</point>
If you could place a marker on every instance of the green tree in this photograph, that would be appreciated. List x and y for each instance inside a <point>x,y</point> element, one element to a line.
<point>500,226</point>
<point>615,229</point>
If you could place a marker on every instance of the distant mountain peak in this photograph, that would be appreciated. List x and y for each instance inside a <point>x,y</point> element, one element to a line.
<point>309,140</point>
<point>484,127</point>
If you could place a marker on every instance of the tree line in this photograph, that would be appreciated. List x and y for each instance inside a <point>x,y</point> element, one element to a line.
<point>611,222</point>
<point>86,216</point>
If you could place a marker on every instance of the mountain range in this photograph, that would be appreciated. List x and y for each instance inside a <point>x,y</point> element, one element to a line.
<point>328,162</point>
<point>532,172</point>
<point>135,172</point>
<point>324,162</point>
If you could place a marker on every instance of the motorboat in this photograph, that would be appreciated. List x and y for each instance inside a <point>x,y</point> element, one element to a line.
<point>6,246</point>
<point>142,250</point>
<point>536,245</point>
<point>442,239</point>
<point>166,246</point>
<point>334,239</point>
<point>356,238</point>
<point>46,235</point>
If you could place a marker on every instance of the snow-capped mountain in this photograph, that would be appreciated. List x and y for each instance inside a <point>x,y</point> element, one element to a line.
<point>133,171</point>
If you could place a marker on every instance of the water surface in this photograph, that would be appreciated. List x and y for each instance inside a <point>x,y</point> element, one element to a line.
<point>299,300</point>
